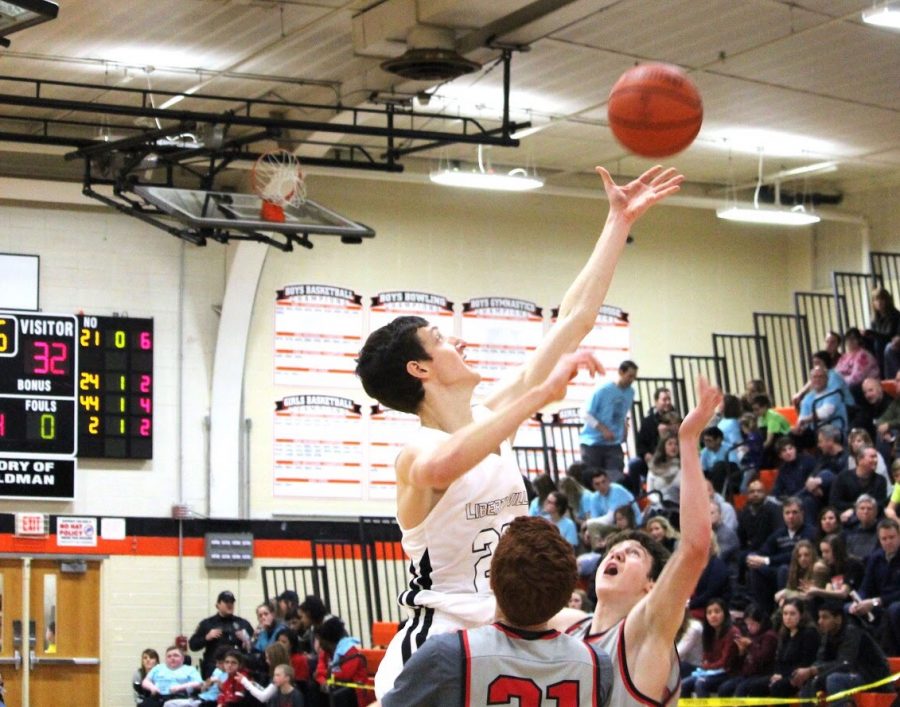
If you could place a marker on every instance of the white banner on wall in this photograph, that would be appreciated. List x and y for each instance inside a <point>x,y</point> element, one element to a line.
<point>499,333</point>
<point>318,334</point>
<point>325,444</point>
<point>318,447</point>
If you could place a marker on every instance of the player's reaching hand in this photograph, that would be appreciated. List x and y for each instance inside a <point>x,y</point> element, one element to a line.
<point>633,199</point>
<point>708,399</point>
<point>566,369</point>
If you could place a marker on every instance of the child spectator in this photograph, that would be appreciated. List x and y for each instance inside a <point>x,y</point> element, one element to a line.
<point>340,659</point>
<point>543,486</point>
<point>623,518</point>
<point>793,470</point>
<point>210,694</point>
<point>286,696</point>
<point>556,511</point>
<point>170,680</point>
<point>577,495</point>
<point>800,572</point>
<point>231,689</point>
<point>275,655</point>
<point>772,425</point>
<point>665,470</point>
<point>751,450</point>
<point>714,457</point>
<point>756,649</point>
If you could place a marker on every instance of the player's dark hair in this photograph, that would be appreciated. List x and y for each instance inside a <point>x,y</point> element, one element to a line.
<point>381,365</point>
<point>533,571</point>
<point>657,551</point>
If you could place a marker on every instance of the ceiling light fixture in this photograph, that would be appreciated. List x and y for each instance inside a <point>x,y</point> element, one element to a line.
<point>21,14</point>
<point>452,175</point>
<point>775,215</point>
<point>884,14</point>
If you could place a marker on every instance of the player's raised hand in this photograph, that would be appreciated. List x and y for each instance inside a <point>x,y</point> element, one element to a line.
<point>633,199</point>
<point>708,399</point>
<point>566,369</point>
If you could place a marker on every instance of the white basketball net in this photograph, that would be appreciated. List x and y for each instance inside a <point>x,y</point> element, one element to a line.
<point>278,179</point>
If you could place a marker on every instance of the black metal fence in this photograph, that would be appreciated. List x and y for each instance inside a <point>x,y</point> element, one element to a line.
<point>853,295</point>
<point>820,313</point>
<point>688,368</point>
<point>886,268</point>
<point>746,358</point>
<point>787,345</point>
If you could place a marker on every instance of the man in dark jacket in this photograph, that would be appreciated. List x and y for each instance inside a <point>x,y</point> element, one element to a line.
<point>221,629</point>
<point>848,657</point>
<point>880,588</point>
<point>757,520</point>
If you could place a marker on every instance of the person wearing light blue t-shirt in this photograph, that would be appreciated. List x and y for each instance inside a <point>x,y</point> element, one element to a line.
<point>608,496</point>
<point>173,678</point>
<point>730,424</point>
<point>556,509</point>
<point>604,423</point>
<point>819,407</point>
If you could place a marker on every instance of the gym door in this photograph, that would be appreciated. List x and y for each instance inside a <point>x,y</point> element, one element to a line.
<point>50,632</point>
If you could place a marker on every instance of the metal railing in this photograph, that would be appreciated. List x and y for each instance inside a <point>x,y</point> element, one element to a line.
<point>687,368</point>
<point>853,295</point>
<point>746,357</point>
<point>788,351</point>
<point>821,315</point>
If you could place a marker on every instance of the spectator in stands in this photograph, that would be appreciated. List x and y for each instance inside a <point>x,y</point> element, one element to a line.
<point>852,483</point>
<point>892,359</point>
<point>209,697</point>
<point>893,506</point>
<point>312,613</point>
<point>231,689</point>
<point>858,439</point>
<point>751,454</point>
<point>857,363</point>
<point>880,588</point>
<point>767,569</point>
<point>647,438</point>
<point>287,603</point>
<point>826,360</point>
<point>623,518</point>
<point>820,406</point>
<point>720,653</point>
<point>828,522</point>
<point>730,424</point>
<point>690,644</point>
<point>843,572</point>
<point>341,659</point>
<point>714,583</point>
<point>714,458</point>
<point>847,657</point>
<point>149,659</point>
<point>885,324</point>
<point>861,530</point>
<point>287,695</point>
<point>800,572</point>
<point>830,461</point>
<point>577,495</point>
<point>793,469</point>
<point>756,648</point>
<point>543,486</point>
<point>772,425</point>
<point>607,497</point>
<point>580,600</point>
<point>661,530</point>
<point>604,423</point>
<point>171,679</point>
<point>729,515</point>
<point>264,688</point>
<point>556,509</point>
<point>665,470</point>
<point>223,628</point>
<point>268,627</point>
<point>298,659</point>
<point>798,643</point>
<point>754,388</point>
<point>872,405</point>
<point>759,518</point>
<point>727,539</point>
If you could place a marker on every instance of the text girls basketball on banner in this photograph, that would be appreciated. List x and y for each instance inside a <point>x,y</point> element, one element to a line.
<point>318,334</point>
<point>318,447</point>
<point>499,333</point>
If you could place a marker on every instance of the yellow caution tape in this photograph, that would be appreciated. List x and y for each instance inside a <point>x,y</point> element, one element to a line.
<point>758,701</point>
<point>354,685</point>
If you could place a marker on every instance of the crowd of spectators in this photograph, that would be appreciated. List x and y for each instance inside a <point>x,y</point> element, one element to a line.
<point>290,659</point>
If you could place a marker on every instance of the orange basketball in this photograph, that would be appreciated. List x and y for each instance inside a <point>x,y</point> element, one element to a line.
<point>655,110</point>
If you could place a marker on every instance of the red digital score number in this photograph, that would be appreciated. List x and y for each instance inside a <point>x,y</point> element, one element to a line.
<point>48,358</point>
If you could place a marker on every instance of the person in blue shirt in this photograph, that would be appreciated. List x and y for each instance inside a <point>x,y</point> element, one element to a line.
<point>730,424</point>
<point>607,497</point>
<point>819,406</point>
<point>556,510</point>
<point>604,423</point>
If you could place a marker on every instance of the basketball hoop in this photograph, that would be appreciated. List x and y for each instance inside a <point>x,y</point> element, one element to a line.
<point>278,180</point>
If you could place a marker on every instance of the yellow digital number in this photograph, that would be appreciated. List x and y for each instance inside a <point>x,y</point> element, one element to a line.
<point>94,425</point>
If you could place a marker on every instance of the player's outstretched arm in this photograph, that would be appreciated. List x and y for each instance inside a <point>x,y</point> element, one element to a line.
<point>582,301</point>
<point>661,612</point>
<point>438,467</point>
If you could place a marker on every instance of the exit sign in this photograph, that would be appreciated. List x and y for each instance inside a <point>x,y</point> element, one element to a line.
<point>32,525</point>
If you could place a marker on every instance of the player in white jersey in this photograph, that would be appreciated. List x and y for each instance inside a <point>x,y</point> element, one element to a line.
<point>411,366</point>
<point>518,659</point>
<point>641,593</point>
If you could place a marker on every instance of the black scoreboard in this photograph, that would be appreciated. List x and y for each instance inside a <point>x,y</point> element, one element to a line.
<point>115,387</point>
<point>74,385</point>
<point>38,369</point>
